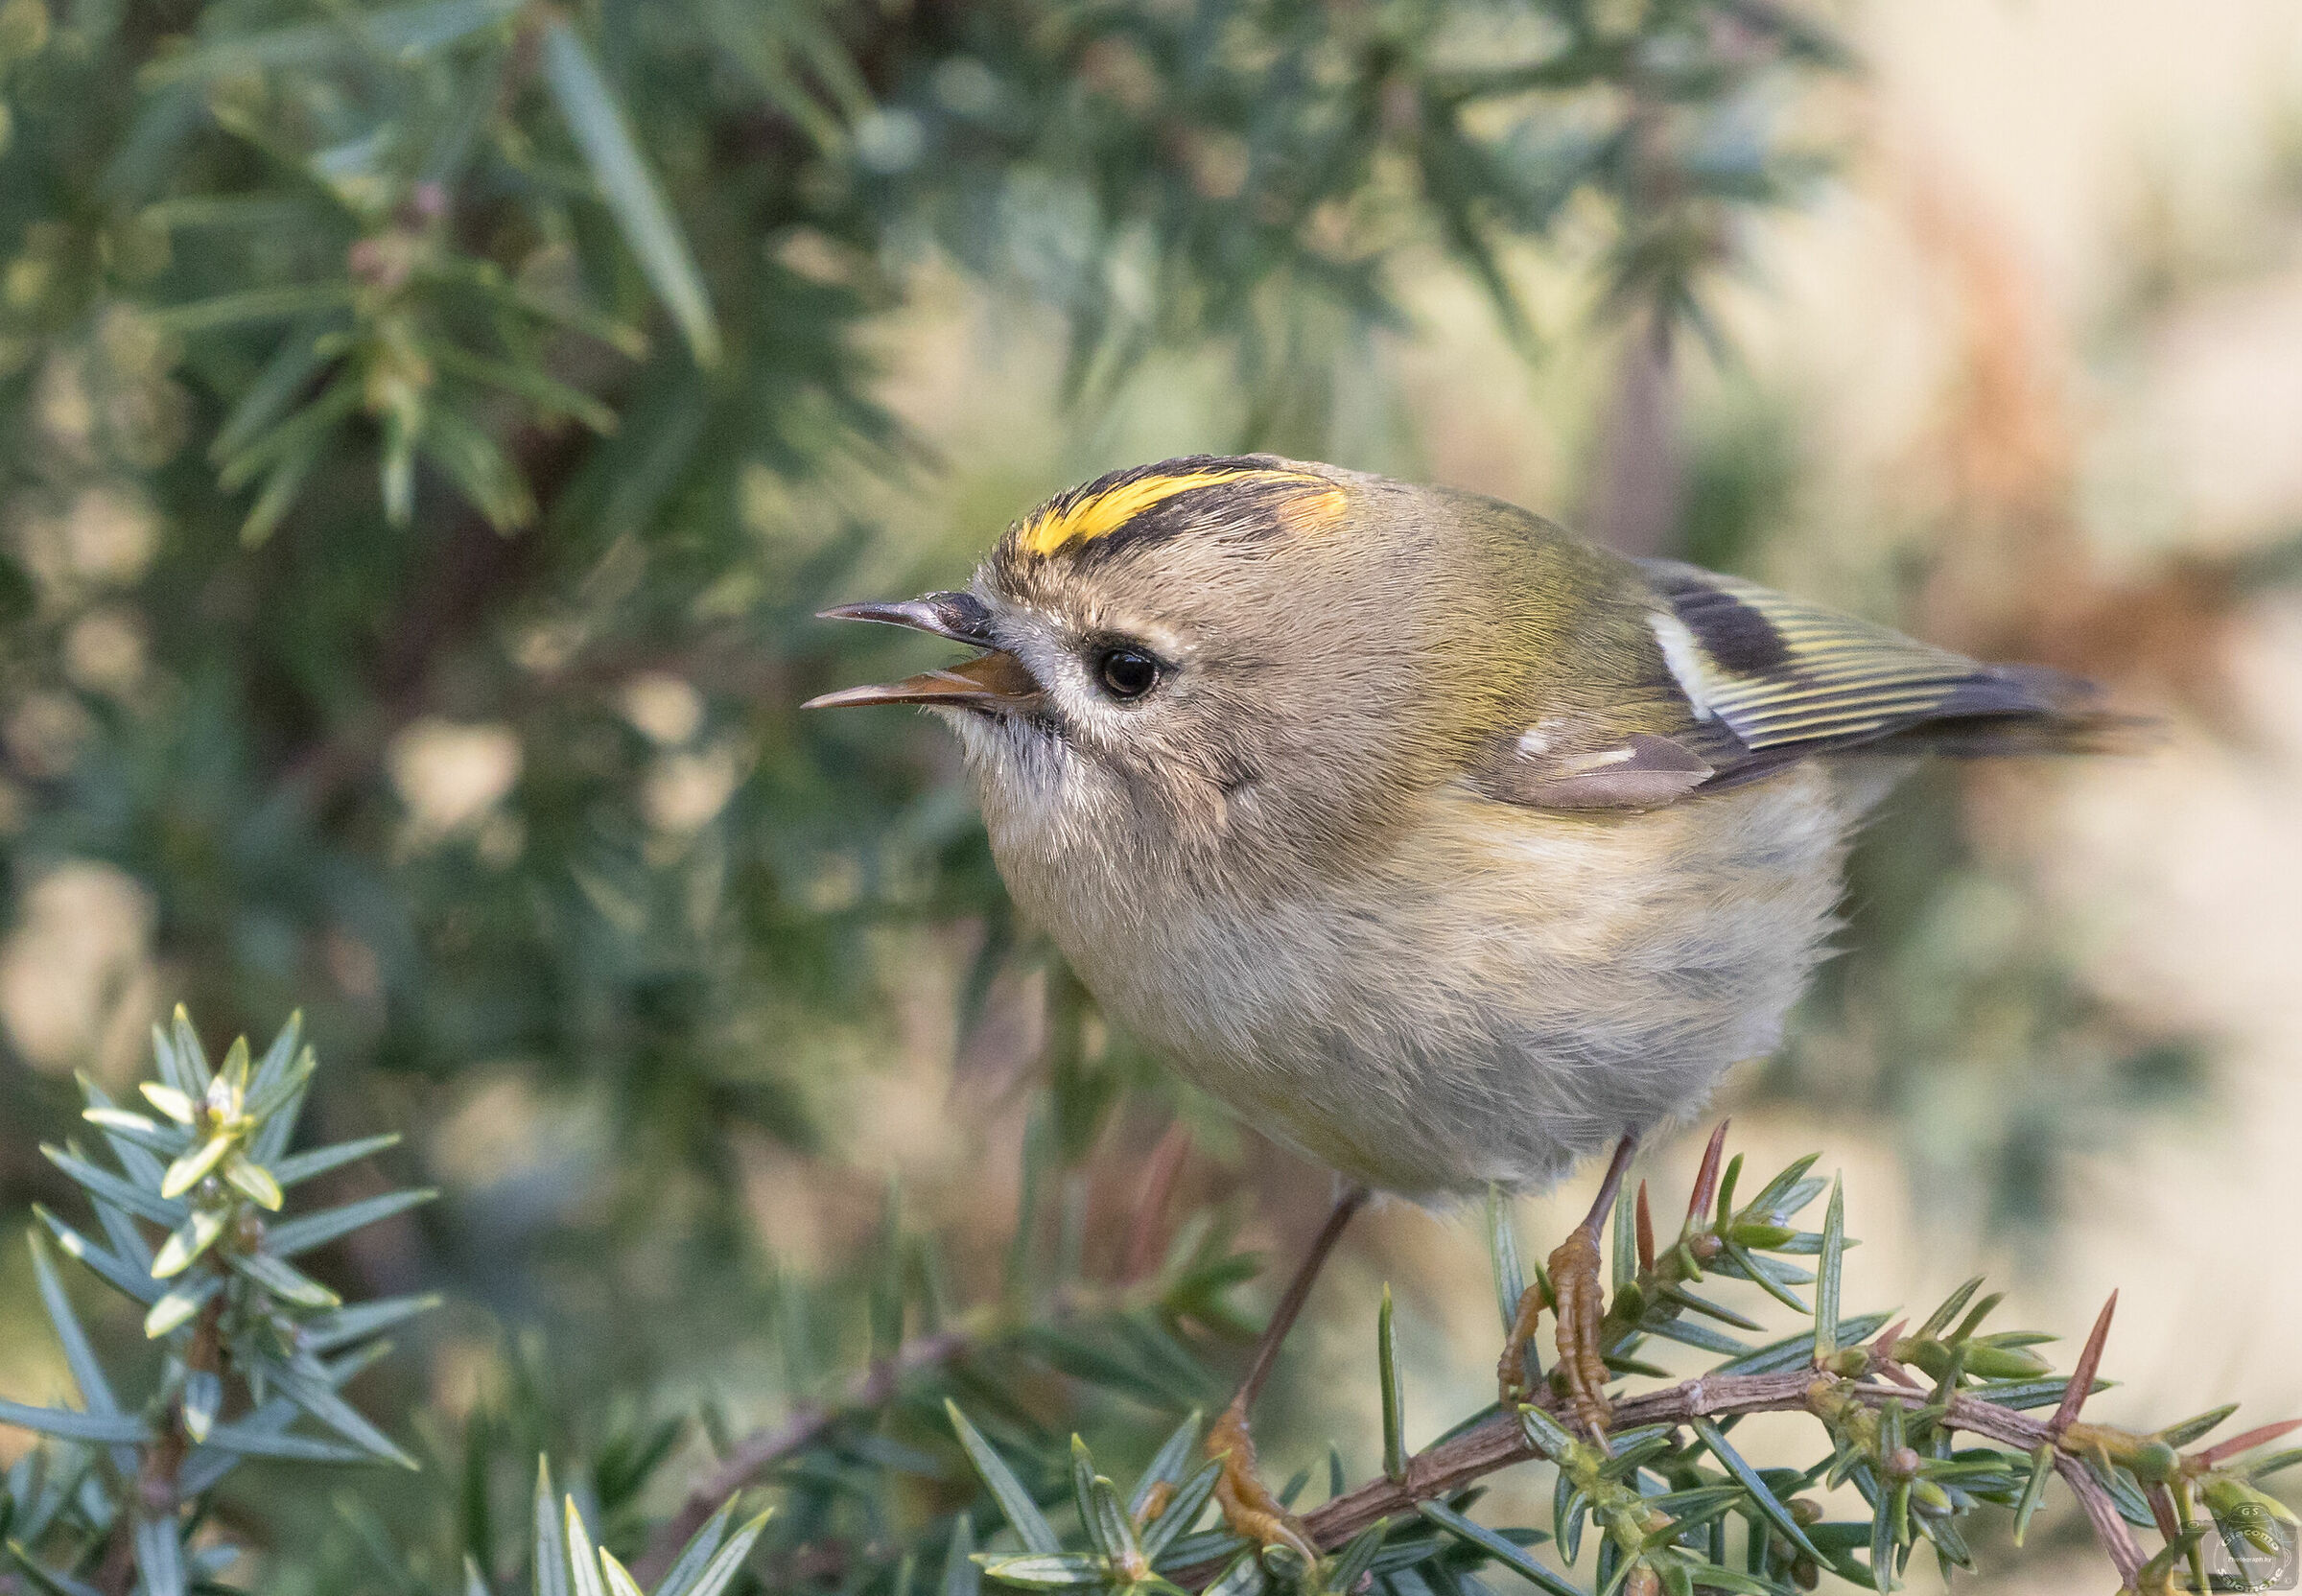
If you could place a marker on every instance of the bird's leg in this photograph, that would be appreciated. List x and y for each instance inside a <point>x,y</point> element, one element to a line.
<point>1582,1303</point>
<point>1249,1508</point>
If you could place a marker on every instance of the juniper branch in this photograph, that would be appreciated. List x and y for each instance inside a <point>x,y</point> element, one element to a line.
<point>870,1389</point>
<point>762,1449</point>
<point>157,1482</point>
<point>1866,1396</point>
<point>1501,1442</point>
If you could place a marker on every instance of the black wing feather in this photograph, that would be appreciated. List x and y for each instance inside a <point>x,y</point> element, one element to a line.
<point>1771,679</point>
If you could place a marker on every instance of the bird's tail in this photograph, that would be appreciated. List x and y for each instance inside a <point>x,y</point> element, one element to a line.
<point>2026,708</point>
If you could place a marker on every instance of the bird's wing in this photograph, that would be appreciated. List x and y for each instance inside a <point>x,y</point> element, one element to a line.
<point>1755,680</point>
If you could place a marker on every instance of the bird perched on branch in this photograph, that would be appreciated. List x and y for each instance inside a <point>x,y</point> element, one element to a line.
<point>1437,843</point>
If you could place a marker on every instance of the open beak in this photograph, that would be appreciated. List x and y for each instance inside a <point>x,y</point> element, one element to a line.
<point>995,680</point>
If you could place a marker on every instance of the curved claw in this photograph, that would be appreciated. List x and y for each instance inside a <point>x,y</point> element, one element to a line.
<point>1513,1385</point>
<point>1249,1508</point>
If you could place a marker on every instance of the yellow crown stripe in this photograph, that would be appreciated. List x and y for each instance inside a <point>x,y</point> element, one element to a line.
<point>1107,511</point>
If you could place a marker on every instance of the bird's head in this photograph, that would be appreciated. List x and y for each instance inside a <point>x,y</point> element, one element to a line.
<point>1201,652</point>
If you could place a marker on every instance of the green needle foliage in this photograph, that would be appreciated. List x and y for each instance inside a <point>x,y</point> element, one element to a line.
<point>1664,1501</point>
<point>567,1562</point>
<point>193,1208</point>
<point>252,1348</point>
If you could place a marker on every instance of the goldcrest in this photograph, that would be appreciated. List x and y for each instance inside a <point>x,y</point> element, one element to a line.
<point>1435,842</point>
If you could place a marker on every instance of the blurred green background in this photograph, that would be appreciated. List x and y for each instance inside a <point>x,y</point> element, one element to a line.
<point>426,433</point>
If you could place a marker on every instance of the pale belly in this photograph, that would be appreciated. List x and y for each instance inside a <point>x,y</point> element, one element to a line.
<point>1507,992</point>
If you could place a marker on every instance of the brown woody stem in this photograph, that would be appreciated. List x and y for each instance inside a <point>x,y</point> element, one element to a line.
<point>2118,1540</point>
<point>871,1389</point>
<point>807,1424</point>
<point>154,1493</point>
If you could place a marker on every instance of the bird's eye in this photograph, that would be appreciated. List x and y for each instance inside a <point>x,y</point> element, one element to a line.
<point>1127,673</point>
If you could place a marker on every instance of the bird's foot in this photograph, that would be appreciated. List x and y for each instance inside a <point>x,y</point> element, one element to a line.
<point>1249,1508</point>
<point>1574,1269</point>
<point>1579,1294</point>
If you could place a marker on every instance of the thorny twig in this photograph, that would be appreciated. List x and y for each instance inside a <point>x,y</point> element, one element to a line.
<point>1867,1396</point>
<point>1857,1392</point>
<point>868,1390</point>
<point>762,1449</point>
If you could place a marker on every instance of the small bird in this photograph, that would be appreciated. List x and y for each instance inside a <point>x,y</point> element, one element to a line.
<point>1437,843</point>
